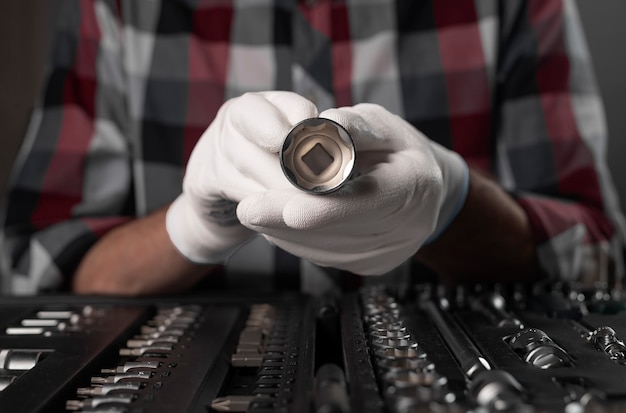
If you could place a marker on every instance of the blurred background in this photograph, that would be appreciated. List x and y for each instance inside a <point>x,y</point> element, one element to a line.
<point>24,40</point>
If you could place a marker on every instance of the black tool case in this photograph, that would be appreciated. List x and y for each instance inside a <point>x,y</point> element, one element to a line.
<point>419,348</point>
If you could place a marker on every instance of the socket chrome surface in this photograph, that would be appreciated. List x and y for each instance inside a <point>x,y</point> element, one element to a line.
<point>318,155</point>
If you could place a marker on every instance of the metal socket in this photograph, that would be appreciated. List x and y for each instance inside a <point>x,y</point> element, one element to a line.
<point>318,156</point>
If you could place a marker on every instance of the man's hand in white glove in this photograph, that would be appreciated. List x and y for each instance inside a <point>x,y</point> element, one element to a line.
<point>234,158</point>
<point>406,192</point>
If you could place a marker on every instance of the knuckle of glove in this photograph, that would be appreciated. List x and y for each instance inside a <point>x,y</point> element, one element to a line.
<point>265,118</point>
<point>221,212</point>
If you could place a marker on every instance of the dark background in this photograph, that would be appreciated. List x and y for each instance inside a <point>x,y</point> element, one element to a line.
<point>24,37</point>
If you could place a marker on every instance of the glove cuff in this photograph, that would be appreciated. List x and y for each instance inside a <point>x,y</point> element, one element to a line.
<point>199,241</point>
<point>456,184</point>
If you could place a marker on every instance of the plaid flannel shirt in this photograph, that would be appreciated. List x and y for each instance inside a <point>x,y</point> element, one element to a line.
<point>131,85</point>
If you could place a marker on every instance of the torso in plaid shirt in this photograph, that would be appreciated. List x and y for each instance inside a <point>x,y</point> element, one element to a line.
<point>132,85</point>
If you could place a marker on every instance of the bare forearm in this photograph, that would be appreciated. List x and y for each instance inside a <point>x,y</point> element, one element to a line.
<point>490,240</point>
<point>136,259</point>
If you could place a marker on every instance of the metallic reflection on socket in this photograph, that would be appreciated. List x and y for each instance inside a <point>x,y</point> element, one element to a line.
<point>318,156</point>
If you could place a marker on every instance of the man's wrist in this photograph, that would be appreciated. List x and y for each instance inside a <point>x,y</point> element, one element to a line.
<point>456,178</point>
<point>489,240</point>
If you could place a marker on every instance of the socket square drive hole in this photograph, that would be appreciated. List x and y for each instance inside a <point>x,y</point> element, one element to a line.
<point>318,159</point>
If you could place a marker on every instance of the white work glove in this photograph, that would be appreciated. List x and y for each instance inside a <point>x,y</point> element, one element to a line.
<point>234,158</point>
<point>406,192</point>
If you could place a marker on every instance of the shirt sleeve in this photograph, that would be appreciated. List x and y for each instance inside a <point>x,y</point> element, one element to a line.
<point>72,178</point>
<point>552,142</point>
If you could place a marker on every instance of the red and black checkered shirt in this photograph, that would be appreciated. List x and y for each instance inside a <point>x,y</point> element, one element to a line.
<point>131,85</point>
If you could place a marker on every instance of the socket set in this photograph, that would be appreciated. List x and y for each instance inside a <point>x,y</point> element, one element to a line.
<point>381,349</point>
<point>538,348</point>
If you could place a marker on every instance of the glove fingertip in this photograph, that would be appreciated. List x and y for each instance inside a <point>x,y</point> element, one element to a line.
<point>294,218</point>
<point>247,211</point>
<point>264,210</point>
<point>304,213</point>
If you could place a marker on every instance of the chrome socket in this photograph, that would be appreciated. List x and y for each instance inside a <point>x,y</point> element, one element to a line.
<point>318,156</point>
